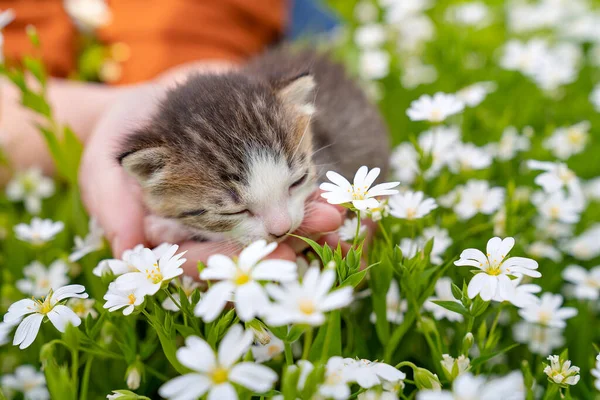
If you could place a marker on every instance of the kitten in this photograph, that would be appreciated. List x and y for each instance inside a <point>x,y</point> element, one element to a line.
<point>234,156</point>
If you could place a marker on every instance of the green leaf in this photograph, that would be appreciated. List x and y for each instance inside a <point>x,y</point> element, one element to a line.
<point>452,306</point>
<point>314,245</point>
<point>289,382</point>
<point>456,292</point>
<point>294,333</point>
<point>36,68</point>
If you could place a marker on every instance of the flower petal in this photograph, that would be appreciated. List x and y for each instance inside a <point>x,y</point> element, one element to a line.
<point>185,387</point>
<point>27,330</point>
<point>212,303</point>
<point>222,392</point>
<point>235,343</point>
<point>196,355</point>
<point>257,378</point>
<point>252,254</point>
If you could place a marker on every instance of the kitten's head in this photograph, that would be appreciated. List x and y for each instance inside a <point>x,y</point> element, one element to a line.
<point>229,156</point>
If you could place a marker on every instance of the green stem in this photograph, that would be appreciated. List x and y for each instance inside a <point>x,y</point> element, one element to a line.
<point>406,364</point>
<point>85,380</point>
<point>308,337</point>
<point>551,392</point>
<point>388,241</point>
<point>494,325</point>
<point>75,370</point>
<point>157,374</point>
<point>289,357</point>
<point>357,234</point>
<point>173,299</point>
<point>325,350</point>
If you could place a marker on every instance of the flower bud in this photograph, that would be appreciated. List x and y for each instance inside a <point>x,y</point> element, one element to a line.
<point>331,265</point>
<point>133,376</point>
<point>427,325</point>
<point>453,367</point>
<point>424,379</point>
<point>261,334</point>
<point>467,343</point>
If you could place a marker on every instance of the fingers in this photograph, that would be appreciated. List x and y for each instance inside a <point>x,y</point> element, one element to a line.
<point>320,217</point>
<point>109,194</point>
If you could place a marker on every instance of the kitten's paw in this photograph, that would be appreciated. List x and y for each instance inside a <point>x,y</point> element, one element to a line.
<point>162,230</point>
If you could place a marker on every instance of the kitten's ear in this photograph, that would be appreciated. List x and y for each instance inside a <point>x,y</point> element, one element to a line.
<point>144,164</point>
<point>299,92</point>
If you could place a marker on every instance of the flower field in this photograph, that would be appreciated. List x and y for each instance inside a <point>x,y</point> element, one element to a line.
<point>481,281</point>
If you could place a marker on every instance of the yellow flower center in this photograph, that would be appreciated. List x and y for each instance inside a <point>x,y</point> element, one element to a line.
<point>554,212</point>
<point>79,308</point>
<point>272,350</point>
<point>478,203</point>
<point>131,298</point>
<point>306,306</point>
<point>28,184</point>
<point>359,193</point>
<point>436,115</point>
<point>544,317</point>
<point>44,283</point>
<point>411,213</point>
<point>565,175</point>
<point>45,306</point>
<point>575,137</point>
<point>493,270</point>
<point>241,278</point>
<point>219,375</point>
<point>154,275</point>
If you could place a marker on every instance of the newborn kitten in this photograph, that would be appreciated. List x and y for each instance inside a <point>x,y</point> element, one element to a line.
<point>235,155</point>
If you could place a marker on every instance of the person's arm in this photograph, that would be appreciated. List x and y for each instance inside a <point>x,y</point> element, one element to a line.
<point>80,105</point>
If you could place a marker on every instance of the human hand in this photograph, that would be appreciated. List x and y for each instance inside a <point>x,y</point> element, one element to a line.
<point>114,198</point>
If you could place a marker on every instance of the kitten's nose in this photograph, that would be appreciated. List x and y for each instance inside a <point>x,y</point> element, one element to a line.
<point>278,224</point>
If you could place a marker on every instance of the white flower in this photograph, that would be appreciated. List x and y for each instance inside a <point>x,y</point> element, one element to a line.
<point>83,307</point>
<point>441,242</point>
<point>468,157</point>
<point>449,363</point>
<point>369,373</point>
<point>124,265</point>
<point>27,380</point>
<point>306,302</point>
<point>88,15</point>
<point>416,73</point>
<point>266,352</point>
<point>586,283</point>
<point>523,57</point>
<point>510,144</point>
<point>478,197</point>
<point>539,339</point>
<point>31,187</point>
<point>414,32</point>
<point>188,285</point>
<point>374,64</point>
<point>523,295</point>
<point>496,268</point>
<point>561,372</point>
<point>474,94</point>
<point>405,162</point>
<point>360,193</point>
<point>411,205</point>
<point>595,95</point>
<point>558,206</point>
<point>34,312</point>
<point>475,14</point>
<point>94,241</point>
<point>548,311</point>
<point>436,108</point>
<point>555,177</point>
<point>469,387</point>
<point>127,299</point>
<point>439,143</point>
<point>585,246</point>
<point>239,281</point>
<point>567,141</point>
<point>395,306</point>
<point>550,229</point>
<point>365,12</point>
<point>541,249</point>
<point>133,378</point>
<point>39,231</point>
<point>443,291</point>
<point>335,384</point>
<point>347,231</point>
<point>215,372</point>
<point>39,279</point>
<point>409,247</point>
<point>151,272</point>
<point>370,36</point>
<point>596,373</point>
<point>377,213</point>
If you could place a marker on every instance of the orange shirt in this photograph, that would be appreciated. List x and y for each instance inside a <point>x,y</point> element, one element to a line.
<point>159,33</point>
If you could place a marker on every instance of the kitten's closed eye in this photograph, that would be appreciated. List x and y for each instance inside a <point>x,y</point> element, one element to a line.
<point>299,181</point>
<point>192,213</point>
<point>241,212</point>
